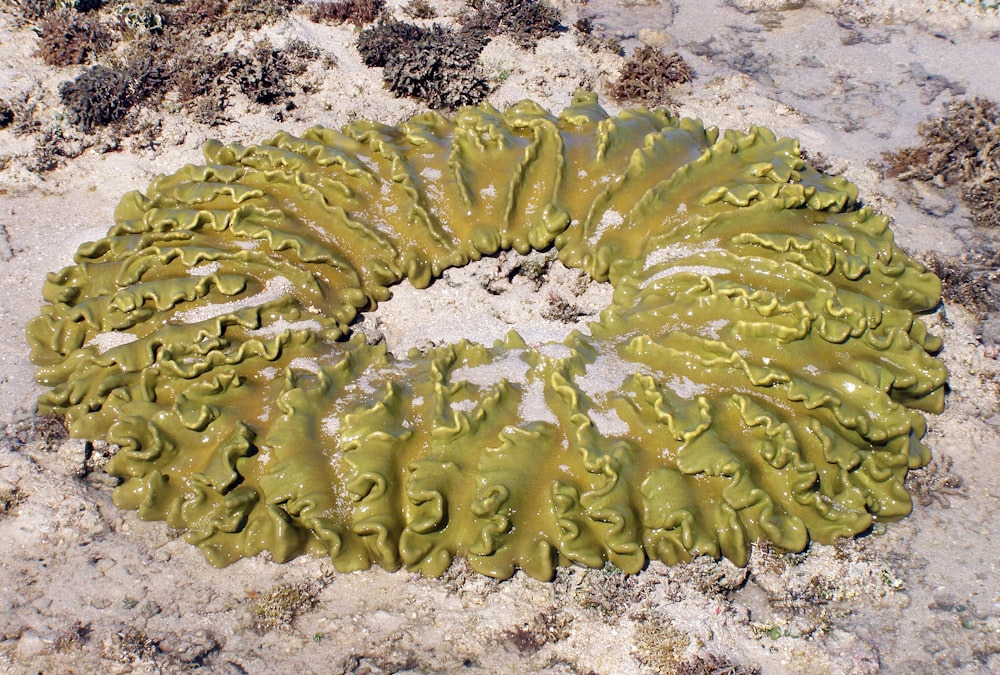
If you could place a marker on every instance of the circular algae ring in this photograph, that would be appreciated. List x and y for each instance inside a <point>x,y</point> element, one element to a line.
<point>758,375</point>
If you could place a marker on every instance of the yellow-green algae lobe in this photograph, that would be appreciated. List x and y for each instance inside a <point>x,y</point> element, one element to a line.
<point>758,374</point>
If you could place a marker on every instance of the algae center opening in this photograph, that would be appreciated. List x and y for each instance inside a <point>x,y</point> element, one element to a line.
<point>534,294</point>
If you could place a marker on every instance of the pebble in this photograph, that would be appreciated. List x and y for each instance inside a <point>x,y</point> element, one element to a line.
<point>928,199</point>
<point>657,38</point>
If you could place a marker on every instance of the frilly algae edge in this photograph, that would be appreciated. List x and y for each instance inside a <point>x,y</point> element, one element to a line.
<point>757,376</point>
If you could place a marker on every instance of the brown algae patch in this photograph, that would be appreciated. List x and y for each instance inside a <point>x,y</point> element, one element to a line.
<point>763,381</point>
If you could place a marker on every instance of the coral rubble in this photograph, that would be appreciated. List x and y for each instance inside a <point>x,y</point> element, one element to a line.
<point>758,375</point>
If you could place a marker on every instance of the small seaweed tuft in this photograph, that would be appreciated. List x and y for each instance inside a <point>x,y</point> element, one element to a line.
<point>971,279</point>
<point>419,9</point>
<point>69,38</point>
<point>548,626</point>
<point>199,17</point>
<point>37,428</point>
<point>357,12</point>
<point>649,75</point>
<point>612,592</point>
<point>561,309</point>
<point>525,22</point>
<point>279,607</point>
<point>588,37</point>
<point>961,150</point>
<point>439,65</point>
<point>203,81</point>
<point>101,95</point>
<point>935,483</point>
<point>461,579</point>
<point>263,75</point>
<point>436,65</point>
<point>77,634</point>
<point>658,644</point>
<point>378,43</point>
<point>138,20</point>
<point>30,11</point>
<point>130,647</point>
<point>251,15</point>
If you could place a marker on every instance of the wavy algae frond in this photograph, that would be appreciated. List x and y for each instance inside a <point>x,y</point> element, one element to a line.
<point>758,375</point>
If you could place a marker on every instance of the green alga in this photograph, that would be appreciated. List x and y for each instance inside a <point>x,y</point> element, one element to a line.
<point>758,375</point>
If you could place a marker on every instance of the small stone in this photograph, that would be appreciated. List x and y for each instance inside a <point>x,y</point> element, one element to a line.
<point>657,38</point>
<point>190,648</point>
<point>928,199</point>
<point>72,454</point>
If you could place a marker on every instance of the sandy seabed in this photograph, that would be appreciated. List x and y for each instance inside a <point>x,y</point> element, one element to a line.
<point>85,587</point>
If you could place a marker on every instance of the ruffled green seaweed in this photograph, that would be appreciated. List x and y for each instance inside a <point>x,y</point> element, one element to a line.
<point>758,374</point>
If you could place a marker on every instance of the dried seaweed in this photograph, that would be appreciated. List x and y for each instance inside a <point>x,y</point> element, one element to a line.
<point>10,499</point>
<point>198,16</point>
<point>971,279</point>
<point>70,38</point>
<point>439,68</point>
<point>436,64</point>
<point>523,21</point>
<point>378,43</point>
<point>648,76</point>
<point>101,95</point>
<point>658,644</point>
<point>253,14</point>
<point>357,12</point>
<point>130,646</point>
<point>216,18</point>
<point>32,10</point>
<point>278,607</point>
<point>37,428</point>
<point>612,592</point>
<point>263,75</point>
<point>961,150</point>
<point>138,20</point>
<point>935,483</point>
<point>29,11</point>
<point>202,81</point>
<point>560,309</point>
<point>587,37</point>
<point>439,65</point>
<point>712,664</point>
<point>549,625</point>
<point>55,145</point>
<point>419,9</point>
